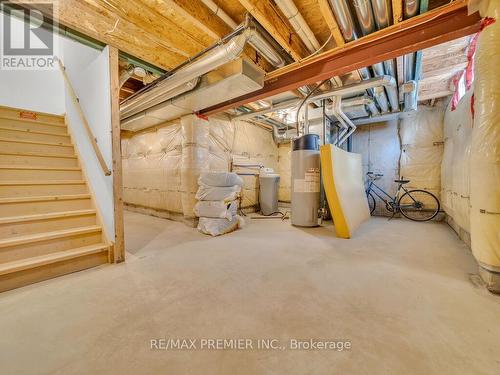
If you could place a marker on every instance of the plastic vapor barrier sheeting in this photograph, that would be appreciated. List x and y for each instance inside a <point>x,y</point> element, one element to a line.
<point>151,169</point>
<point>421,134</point>
<point>342,175</point>
<point>485,146</point>
<point>161,167</point>
<point>455,168</point>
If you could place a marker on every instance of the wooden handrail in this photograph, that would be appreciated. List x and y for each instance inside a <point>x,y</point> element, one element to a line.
<point>92,139</point>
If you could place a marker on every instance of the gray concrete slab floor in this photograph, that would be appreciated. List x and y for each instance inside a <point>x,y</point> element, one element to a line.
<point>405,296</point>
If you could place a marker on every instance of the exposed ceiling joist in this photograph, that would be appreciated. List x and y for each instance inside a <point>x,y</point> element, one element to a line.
<point>197,13</point>
<point>397,11</point>
<point>277,26</point>
<point>431,28</point>
<point>330,20</point>
<point>106,27</point>
<point>165,33</point>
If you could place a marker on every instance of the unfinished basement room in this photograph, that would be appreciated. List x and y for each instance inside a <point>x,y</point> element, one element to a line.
<point>249,187</point>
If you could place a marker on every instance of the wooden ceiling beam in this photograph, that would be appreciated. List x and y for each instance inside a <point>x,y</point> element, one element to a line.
<point>426,30</point>
<point>276,24</point>
<point>330,20</point>
<point>102,25</point>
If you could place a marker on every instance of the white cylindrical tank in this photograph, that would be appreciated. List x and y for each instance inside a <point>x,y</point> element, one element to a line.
<point>269,182</point>
<point>305,181</point>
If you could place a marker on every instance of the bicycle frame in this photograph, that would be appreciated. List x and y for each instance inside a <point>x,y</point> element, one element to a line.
<point>393,201</point>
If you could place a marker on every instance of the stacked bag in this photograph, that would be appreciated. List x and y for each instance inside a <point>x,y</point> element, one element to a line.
<point>217,207</point>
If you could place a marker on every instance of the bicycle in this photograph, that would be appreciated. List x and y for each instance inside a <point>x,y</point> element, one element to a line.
<point>416,205</point>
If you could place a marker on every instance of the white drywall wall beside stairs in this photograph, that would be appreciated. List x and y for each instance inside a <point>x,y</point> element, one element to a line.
<point>37,90</point>
<point>88,71</point>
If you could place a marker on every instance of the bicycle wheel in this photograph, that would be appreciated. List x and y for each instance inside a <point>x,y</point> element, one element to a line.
<point>418,205</point>
<point>371,203</point>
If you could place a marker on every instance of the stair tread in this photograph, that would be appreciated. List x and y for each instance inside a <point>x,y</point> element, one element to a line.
<point>24,264</point>
<point>40,154</point>
<point>39,168</point>
<point>32,121</point>
<point>33,131</point>
<point>30,238</point>
<point>14,140</point>
<point>51,215</point>
<point>43,182</point>
<point>44,198</point>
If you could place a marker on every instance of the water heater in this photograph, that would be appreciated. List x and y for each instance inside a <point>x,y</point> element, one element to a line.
<point>305,181</point>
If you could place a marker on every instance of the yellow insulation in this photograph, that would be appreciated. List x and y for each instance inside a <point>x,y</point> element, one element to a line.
<point>342,175</point>
<point>485,146</point>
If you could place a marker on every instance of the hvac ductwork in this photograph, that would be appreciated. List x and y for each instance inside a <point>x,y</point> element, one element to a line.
<point>388,82</point>
<point>299,24</point>
<point>166,88</point>
<point>256,40</point>
<point>187,77</point>
<point>367,24</point>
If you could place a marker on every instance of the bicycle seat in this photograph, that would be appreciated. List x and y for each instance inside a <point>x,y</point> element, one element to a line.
<point>402,181</point>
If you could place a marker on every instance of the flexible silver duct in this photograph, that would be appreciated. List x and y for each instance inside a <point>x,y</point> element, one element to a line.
<point>367,22</point>
<point>186,78</point>
<point>344,19</point>
<point>411,8</point>
<point>381,11</point>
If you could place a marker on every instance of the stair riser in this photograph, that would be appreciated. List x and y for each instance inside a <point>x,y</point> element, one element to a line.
<point>34,249</point>
<point>27,136</point>
<point>34,208</point>
<point>4,123</point>
<point>11,146</point>
<point>26,277</point>
<point>15,113</point>
<point>41,190</point>
<point>38,161</point>
<point>47,225</point>
<point>37,174</point>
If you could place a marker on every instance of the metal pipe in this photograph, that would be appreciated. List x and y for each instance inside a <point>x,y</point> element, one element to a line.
<point>373,119</point>
<point>257,41</point>
<point>411,8</point>
<point>362,100</point>
<point>364,14</point>
<point>344,19</point>
<point>212,60</point>
<point>186,76</point>
<point>381,11</point>
<point>388,82</point>
<point>299,24</point>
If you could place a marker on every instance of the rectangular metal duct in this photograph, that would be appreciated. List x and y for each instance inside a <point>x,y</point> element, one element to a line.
<point>230,81</point>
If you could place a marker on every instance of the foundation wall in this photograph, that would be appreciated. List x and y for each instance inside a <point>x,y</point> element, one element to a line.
<point>161,166</point>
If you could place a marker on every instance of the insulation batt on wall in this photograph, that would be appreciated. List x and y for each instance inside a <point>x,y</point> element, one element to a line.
<point>455,168</point>
<point>485,150</point>
<point>380,150</point>
<point>421,134</point>
<point>154,162</point>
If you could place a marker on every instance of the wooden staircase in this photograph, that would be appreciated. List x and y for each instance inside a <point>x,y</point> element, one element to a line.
<point>49,225</point>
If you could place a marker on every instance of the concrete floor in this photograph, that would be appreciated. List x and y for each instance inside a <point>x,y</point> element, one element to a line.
<point>405,295</point>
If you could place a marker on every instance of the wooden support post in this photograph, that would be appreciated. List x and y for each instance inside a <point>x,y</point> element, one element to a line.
<point>119,247</point>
